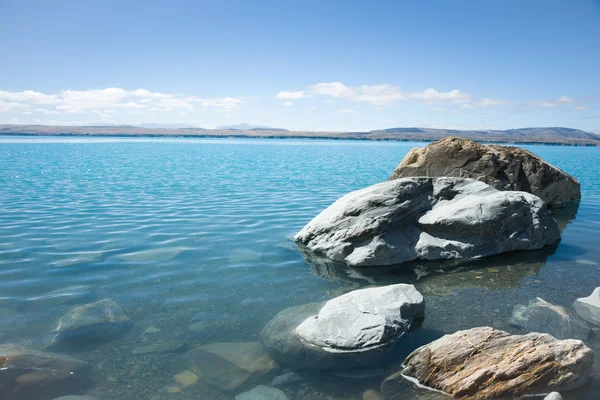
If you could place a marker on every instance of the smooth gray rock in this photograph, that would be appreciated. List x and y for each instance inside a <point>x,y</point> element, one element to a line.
<point>428,219</point>
<point>355,330</point>
<point>74,397</point>
<point>502,167</point>
<point>588,308</point>
<point>542,316</point>
<point>363,319</point>
<point>553,396</point>
<point>262,392</point>
<point>95,322</point>
<point>32,374</point>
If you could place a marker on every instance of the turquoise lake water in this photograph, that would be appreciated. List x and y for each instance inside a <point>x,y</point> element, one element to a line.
<point>174,229</point>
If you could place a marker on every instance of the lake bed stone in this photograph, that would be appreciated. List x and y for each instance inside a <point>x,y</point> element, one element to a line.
<point>95,322</point>
<point>232,367</point>
<point>161,347</point>
<point>32,374</point>
<point>262,392</point>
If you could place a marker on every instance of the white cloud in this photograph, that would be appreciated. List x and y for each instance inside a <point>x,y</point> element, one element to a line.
<point>45,111</point>
<point>290,95</point>
<point>385,94</point>
<point>288,104</point>
<point>349,111</point>
<point>432,96</point>
<point>333,89</point>
<point>487,102</point>
<point>559,101</point>
<point>7,105</point>
<point>226,103</point>
<point>109,100</point>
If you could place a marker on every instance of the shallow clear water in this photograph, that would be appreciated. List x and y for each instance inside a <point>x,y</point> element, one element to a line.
<point>177,229</point>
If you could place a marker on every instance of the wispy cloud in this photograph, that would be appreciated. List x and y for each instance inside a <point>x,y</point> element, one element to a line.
<point>109,100</point>
<point>379,95</point>
<point>559,101</point>
<point>290,95</point>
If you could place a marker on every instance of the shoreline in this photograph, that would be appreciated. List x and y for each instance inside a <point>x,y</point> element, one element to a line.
<point>292,135</point>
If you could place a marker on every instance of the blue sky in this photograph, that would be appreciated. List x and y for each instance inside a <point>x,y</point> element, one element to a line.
<point>302,65</point>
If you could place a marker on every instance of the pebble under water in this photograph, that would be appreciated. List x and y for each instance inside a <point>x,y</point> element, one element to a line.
<point>192,238</point>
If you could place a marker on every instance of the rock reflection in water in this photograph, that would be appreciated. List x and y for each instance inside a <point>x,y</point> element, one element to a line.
<point>437,278</point>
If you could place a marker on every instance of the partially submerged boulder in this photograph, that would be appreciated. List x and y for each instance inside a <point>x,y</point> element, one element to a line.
<point>588,308</point>
<point>354,330</point>
<point>428,219</point>
<point>94,322</point>
<point>232,367</point>
<point>502,167</point>
<point>542,316</point>
<point>483,363</point>
<point>32,374</point>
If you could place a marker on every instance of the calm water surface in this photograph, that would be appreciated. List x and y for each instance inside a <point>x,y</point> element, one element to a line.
<point>180,230</point>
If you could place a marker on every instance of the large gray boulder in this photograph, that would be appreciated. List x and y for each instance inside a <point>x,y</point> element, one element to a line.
<point>483,363</point>
<point>588,308</point>
<point>542,316</point>
<point>94,322</point>
<point>354,330</point>
<point>32,374</point>
<point>502,167</point>
<point>428,219</point>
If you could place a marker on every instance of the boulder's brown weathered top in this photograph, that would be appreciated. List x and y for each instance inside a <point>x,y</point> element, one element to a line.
<point>483,363</point>
<point>502,167</point>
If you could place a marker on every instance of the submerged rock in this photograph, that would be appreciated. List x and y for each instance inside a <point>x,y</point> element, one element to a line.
<point>262,392</point>
<point>75,397</point>
<point>483,362</point>
<point>588,308</point>
<point>32,374</point>
<point>351,331</point>
<point>232,366</point>
<point>95,322</point>
<point>502,167</point>
<point>542,316</point>
<point>287,379</point>
<point>553,396</point>
<point>371,394</point>
<point>186,378</point>
<point>428,219</point>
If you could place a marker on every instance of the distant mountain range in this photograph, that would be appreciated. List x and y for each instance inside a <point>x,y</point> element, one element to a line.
<point>243,127</point>
<point>549,135</point>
